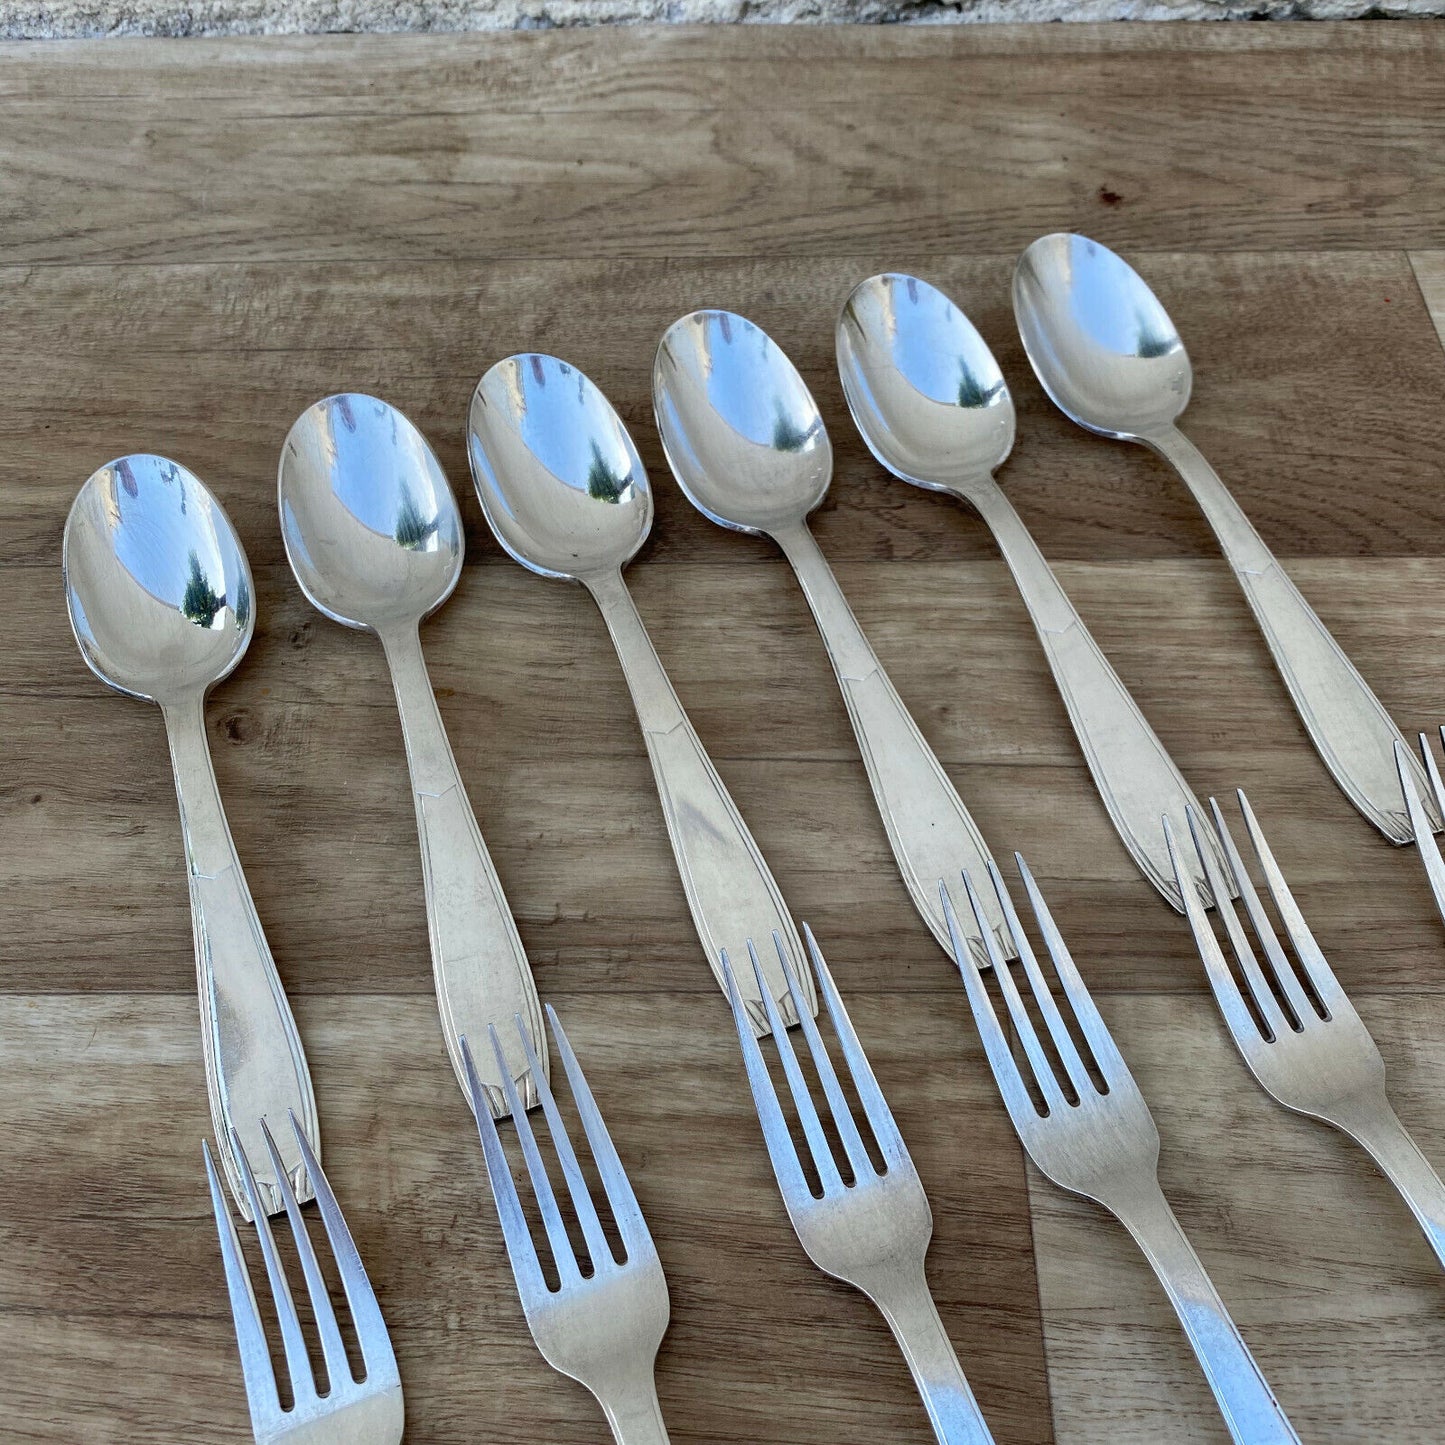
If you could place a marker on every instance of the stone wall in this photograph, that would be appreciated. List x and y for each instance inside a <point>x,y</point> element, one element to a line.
<point>24,19</point>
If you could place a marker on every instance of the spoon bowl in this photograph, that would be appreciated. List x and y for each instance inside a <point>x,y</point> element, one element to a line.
<point>557,474</point>
<point>922,385</point>
<point>740,428</point>
<point>158,587</point>
<point>1102,346</point>
<point>371,527</point>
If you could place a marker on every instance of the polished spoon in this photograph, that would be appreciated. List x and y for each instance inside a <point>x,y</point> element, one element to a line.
<point>565,493</point>
<point>1108,355</point>
<point>747,445</point>
<point>161,603</point>
<point>374,537</point>
<point>934,409</point>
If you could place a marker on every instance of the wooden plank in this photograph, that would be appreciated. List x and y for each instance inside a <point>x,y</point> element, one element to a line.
<point>110,1278</point>
<point>994,150</point>
<point>308,751</point>
<point>1325,1272</point>
<point>1319,392</point>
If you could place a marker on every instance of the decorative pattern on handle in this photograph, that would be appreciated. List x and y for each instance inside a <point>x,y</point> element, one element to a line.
<point>1351,731</point>
<point>730,891</point>
<point>255,1065</point>
<point>931,832</point>
<point>480,968</point>
<point>1138,781</point>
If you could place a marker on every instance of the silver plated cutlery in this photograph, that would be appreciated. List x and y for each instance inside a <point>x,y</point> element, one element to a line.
<point>1415,807</point>
<point>934,409</point>
<point>602,1322</point>
<point>374,537</point>
<point>565,492</point>
<point>747,445</point>
<point>161,603</point>
<point>338,1408</point>
<point>1108,355</point>
<point>867,1224</point>
<point>1295,1027</point>
<point>1091,1132</point>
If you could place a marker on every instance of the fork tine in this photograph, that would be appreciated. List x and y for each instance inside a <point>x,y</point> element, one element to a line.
<point>1044,1078</point>
<point>1428,848</point>
<point>818,1146</point>
<point>636,1236</point>
<point>995,1045</point>
<point>1095,1030</point>
<point>1043,995</point>
<point>1311,959</point>
<point>565,1256</point>
<point>1286,1015</point>
<point>786,1165</point>
<point>1269,1009</point>
<point>586,1210</point>
<point>371,1332</point>
<point>837,1104</point>
<point>865,1082</point>
<point>526,1266</point>
<point>298,1365</point>
<point>256,1368</point>
<point>1221,981</point>
<point>332,1348</point>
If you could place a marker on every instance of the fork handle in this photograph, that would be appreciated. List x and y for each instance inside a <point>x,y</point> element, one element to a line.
<point>913,1317</point>
<point>636,1418</point>
<point>1353,734</point>
<point>1250,1410</point>
<point>1389,1144</point>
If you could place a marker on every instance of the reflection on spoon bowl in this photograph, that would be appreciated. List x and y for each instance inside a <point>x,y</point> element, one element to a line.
<point>371,528</point>
<point>157,585</point>
<point>556,472</point>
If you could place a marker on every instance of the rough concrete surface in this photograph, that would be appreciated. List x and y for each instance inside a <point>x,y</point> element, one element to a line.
<point>23,19</point>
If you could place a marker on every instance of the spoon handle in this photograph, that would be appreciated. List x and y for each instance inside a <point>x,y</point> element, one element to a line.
<point>733,897</point>
<point>1136,778</point>
<point>932,833</point>
<point>1347,723</point>
<point>482,976</point>
<point>255,1066</point>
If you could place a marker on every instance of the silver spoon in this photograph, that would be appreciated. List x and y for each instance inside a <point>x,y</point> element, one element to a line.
<point>374,537</point>
<point>746,443</point>
<point>933,407</point>
<point>565,492</point>
<point>1111,359</point>
<point>161,603</point>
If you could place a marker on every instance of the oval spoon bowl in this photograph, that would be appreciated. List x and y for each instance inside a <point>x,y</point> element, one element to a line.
<point>157,585</point>
<point>372,530</point>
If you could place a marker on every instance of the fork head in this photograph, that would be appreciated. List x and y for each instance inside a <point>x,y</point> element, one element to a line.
<point>1291,1021</point>
<point>1088,1128</point>
<point>861,1217</point>
<point>603,1321</point>
<point>342,1410</point>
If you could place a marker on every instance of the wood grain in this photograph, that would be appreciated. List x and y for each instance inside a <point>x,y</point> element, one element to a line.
<point>199,239</point>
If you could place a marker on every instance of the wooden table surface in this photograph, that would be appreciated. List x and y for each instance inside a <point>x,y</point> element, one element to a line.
<point>198,239</point>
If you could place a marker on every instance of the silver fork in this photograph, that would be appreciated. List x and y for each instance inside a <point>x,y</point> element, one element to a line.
<point>1419,818</point>
<point>347,1411</point>
<point>872,1233</point>
<point>1314,1055</point>
<point>1101,1142</point>
<point>603,1327</point>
